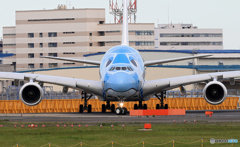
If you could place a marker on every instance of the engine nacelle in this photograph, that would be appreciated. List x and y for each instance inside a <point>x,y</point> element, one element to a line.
<point>215,92</point>
<point>31,94</point>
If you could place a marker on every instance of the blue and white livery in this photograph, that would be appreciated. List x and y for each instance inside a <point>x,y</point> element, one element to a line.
<point>122,78</point>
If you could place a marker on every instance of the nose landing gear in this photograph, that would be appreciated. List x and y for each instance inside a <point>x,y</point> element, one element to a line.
<point>121,110</point>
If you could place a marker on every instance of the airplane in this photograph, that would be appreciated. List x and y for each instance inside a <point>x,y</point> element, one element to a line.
<point>122,78</point>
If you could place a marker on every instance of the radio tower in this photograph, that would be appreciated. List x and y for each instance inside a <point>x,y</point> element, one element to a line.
<point>117,10</point>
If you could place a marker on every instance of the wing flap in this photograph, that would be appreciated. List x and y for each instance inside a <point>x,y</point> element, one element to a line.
<point>9,75</point>
<point>231,74</point>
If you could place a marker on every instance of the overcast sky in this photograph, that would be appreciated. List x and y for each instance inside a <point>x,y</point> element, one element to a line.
<point>202,13</point>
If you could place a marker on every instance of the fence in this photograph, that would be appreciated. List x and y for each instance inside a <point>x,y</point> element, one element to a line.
<point>72,105</point>
<point>112,143</point>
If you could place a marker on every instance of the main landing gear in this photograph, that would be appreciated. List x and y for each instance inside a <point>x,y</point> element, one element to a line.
<point>140,106</point>
<point>119,110</point>
<point>161,96</point>
<point>86,97</point>
<point>108,107</point>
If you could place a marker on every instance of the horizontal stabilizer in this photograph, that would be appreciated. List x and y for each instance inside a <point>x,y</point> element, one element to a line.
<point>73,60</point>
<point>148,63</point>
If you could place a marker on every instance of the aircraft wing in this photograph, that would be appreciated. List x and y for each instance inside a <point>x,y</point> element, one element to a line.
<point>90,86</point>
<point>156,86</point>
<point>73,60</point>
<point>148,63</point>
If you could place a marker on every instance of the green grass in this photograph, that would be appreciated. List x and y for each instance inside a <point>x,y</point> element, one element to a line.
<point>96,136</point>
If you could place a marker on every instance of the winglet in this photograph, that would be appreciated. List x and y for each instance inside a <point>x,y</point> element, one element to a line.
<point>125,34</point>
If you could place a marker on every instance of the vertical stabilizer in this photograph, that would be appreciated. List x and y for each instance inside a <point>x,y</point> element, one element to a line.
<point>125,36</point>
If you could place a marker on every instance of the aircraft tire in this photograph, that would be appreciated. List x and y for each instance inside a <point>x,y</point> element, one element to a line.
<point>113,108</point>
<point>103,108</point>
<point>166,106</point>
<point>135,106</point>
<point>124,111</point>
<point>119,111</point>
<point>145,106</point>
<point>157,106</point>
<point>89,108</point>
<point>81,109</point>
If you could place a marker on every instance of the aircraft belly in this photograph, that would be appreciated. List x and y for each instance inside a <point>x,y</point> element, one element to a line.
<point>130,95</point>
<point>123,95</point>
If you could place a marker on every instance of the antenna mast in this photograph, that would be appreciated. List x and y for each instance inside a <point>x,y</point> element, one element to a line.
<point>117,10</point>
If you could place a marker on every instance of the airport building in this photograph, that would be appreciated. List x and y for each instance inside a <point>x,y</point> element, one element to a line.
<point>222,60</point>
<point>1,46</point>
<point>67,33</point>
<point>187,37</point>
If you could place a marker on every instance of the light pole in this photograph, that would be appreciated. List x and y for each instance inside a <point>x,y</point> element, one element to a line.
<point>3,91</point>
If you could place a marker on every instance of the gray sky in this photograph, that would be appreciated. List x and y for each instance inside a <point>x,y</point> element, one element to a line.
<point>202,13</point>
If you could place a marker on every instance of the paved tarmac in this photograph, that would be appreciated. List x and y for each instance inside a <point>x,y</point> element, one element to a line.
<point>96,117</point>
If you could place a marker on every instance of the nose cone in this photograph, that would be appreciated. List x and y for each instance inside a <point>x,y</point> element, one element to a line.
<point>121,82</point>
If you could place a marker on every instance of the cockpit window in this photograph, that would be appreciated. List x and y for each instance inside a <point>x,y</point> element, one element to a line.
<point>121,68</point>
<point>134,62</point>
<point>130,68</point>
<point>108,62</point>
<point>112,69</point>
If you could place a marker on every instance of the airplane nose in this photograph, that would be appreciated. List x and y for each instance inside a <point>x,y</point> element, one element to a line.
<point>121,82</point>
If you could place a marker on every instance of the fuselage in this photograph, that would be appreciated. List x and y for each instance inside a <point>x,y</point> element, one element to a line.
<point>122,74</point>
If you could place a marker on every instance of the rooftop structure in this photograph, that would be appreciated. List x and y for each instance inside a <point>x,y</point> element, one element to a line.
<point>187,37</point>
<point>116,10</point>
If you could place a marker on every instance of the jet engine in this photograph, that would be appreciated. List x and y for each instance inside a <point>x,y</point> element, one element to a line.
<point>31,94</point>
<point>215,92</point>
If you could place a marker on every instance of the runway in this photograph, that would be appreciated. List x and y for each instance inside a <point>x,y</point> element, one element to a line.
<point>96,117</point>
